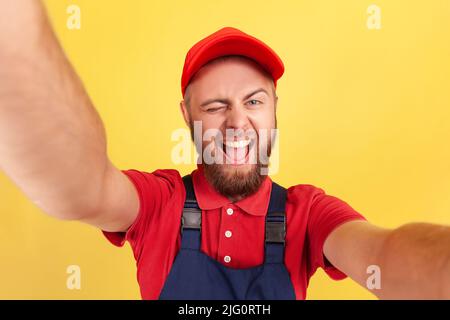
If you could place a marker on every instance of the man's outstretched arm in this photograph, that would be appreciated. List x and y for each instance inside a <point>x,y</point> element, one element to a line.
<point>52,140</point>
<point>413,260</point>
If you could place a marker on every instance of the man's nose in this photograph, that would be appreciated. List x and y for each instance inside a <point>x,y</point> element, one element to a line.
<point>237,118</point>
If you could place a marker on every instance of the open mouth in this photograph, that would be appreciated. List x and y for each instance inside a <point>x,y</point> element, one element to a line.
<point>236,152</point>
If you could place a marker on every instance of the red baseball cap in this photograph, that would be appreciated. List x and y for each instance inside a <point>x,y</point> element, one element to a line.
<point>230,41</point>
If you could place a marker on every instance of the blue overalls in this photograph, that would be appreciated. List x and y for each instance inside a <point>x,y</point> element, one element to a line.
<point>196,276</point>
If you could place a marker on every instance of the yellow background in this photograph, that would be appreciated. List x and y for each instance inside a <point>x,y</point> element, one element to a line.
<point>363,114</point>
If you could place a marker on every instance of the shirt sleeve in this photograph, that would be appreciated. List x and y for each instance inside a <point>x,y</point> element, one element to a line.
<point>327,213</point>
<point>154,191</point>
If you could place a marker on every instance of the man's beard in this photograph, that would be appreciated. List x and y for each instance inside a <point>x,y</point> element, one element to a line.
<point>234,183</point>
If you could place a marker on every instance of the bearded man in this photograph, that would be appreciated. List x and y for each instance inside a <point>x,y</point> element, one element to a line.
<point>226,231</point>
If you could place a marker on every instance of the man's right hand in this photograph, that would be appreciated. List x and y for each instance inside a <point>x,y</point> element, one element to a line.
<point>52,140</point>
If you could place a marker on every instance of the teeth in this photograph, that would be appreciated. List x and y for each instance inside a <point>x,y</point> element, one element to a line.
<point>237,144</point>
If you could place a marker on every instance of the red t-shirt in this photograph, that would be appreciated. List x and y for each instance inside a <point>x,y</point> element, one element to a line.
<point>231,230</point>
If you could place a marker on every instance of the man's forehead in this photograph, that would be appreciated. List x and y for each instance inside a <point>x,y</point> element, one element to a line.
<point>231,61</point>
<point>212,77</point>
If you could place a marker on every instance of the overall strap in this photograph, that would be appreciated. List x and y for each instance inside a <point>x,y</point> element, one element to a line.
<point>191,221</point>
<point>276,225</point>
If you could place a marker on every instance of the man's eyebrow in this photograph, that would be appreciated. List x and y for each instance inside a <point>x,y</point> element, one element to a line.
<point>226,101</point>
<point>209,101</point>
<point>255,92</point>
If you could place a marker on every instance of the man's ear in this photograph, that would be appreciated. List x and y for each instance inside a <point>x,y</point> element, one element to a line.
<point>185,113</point>
<point>276,103</point>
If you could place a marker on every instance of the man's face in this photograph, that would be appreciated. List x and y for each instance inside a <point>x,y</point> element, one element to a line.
<point>236,98</point>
